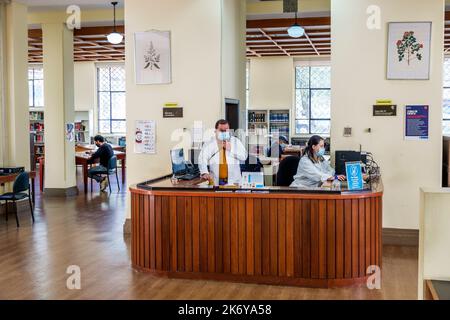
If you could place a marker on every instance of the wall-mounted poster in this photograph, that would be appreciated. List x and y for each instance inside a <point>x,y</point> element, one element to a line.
<point>70,132</point>
<point>152,57</point>
<point>417,122</point>
<point>145,137</point>
<point>409,46</point>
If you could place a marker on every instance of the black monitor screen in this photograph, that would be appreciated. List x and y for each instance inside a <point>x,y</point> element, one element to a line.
<point>342,157</point>
<point>178,163</point>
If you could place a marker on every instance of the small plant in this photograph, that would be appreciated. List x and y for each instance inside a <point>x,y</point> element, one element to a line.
<point>152,58</point>
<point>408,48</point>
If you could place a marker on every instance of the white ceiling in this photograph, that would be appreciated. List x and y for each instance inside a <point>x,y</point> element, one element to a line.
<point>41,5</point>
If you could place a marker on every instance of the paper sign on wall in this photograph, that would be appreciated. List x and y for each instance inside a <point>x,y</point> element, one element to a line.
<point>416,122</point>
<point>145,137</point>
<point>70,132</point>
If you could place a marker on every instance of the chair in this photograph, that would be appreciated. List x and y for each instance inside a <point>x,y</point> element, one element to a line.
<point>112,169</point>
<point>20,188</point>
<point>287,170</point>
<point>252,164</point>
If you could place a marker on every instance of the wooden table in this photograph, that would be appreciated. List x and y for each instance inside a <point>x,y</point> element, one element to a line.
<point>284,236</point>
<point>12,177</point>
<point>81,158</point>
<point>93,147</point>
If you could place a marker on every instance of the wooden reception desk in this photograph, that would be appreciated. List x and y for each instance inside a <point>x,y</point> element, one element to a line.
<point>286,236</point>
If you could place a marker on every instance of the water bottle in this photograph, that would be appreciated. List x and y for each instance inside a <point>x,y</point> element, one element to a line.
<point>336,185</point>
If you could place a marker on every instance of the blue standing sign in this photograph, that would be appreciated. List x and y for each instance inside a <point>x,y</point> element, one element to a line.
<point>354,175</point>
<point>416,122</point>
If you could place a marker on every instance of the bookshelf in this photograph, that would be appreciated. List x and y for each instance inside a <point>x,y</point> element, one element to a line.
<point>266,125</point>
<point>279,123</point>
<point>37,130</point>
<point>83,127</point>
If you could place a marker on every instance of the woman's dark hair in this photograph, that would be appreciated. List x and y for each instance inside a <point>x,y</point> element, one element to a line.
<point>309,152</point>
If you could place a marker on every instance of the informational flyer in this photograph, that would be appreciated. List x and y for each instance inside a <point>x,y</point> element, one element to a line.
<point>145,137</point>
<point>354,175</point>
<point>70,132</point>
<point>417,122</point>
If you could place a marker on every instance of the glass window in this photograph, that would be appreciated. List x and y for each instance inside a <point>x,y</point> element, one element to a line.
<point>36,87</point>
<point>312,100</point>
<point>111,99</point>
<point>446,102</point>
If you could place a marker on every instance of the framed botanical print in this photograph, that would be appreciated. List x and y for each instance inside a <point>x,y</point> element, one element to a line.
<point>153,57</point>
<point>409,46</point>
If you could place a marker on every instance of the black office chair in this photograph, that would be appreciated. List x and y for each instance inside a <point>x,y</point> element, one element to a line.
<point>252,164</point>
<point>112,169</point>
<point>20,188</point>
<point>287,170</point>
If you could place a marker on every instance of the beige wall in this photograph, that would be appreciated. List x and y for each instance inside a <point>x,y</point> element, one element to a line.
<point>85,77</point>
<point>271,83</point>
<point>233,53</point>
<point>359,78</point>
<point>196,76</point>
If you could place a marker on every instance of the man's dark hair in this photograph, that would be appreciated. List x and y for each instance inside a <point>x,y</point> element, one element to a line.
<point>221,122</point>
<point>99,138</point>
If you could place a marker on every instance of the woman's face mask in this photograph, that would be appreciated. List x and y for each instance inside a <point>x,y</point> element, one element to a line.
<point>321,152</point>
<point>224,136</point>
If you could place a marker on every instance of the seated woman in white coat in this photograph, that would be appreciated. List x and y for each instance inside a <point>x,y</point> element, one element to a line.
<point>223,154</point>
<point>313,169</point>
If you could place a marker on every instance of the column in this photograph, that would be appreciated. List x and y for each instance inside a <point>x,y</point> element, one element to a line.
<point>60,170</point>
<point>15,116</point>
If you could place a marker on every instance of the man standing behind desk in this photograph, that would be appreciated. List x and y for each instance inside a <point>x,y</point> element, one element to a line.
<point>223,154</point>
<point>104,153</point>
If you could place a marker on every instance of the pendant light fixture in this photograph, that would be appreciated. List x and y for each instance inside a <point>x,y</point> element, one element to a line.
<point>115,37</point>
<point>295,31</point>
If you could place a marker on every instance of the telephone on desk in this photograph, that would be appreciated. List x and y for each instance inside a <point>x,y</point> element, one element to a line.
<point>192,172</point>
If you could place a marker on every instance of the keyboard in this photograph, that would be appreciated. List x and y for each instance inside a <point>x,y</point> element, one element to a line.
<point>189,176</point>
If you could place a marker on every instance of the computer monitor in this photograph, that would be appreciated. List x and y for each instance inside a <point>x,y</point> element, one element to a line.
<point>178,162</point>
<point>348,156</point>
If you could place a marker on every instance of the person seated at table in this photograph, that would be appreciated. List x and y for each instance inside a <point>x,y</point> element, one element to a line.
<point>277,148</point>
<point>313,169</point>
<point>104,153</point>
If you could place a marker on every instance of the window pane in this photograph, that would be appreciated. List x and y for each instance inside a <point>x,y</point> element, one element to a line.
<point>118,105</point>
<point>320,77</point>
<point>302,77</point>
<point>301,127</point>
<point>446,108</point>
<point>117,78</point>
<point>119,127</point>
<point>30,93</point>
<point>30,74</point>
<point>320,126</point>
<point>39,73</point>
<point>103,79</point>
<point>446,127</point>
<point>104,111</point>
<point>320,104</point>
<point>302,104</point>
<point>447,72</point>
<point>104,126</point>
<point>39,93</point>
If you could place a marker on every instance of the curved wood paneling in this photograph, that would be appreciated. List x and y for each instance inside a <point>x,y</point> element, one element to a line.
<point>318,242</point>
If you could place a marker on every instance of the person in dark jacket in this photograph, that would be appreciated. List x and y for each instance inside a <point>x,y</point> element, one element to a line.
<point>104,153</point>
<point>277,148</point>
